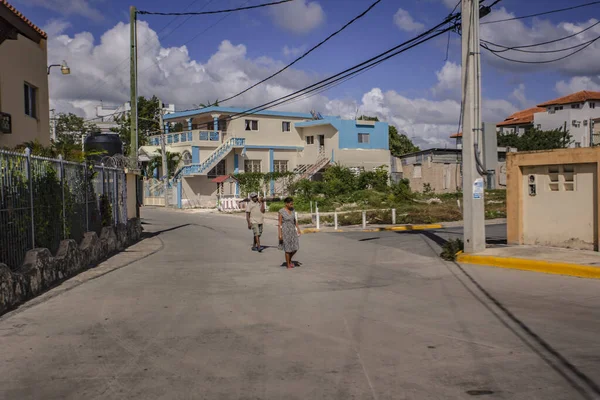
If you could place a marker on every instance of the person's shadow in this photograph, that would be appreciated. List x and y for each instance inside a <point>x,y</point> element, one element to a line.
<point>296,264</point>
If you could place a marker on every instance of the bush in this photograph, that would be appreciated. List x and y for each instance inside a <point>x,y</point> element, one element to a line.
<point>451,249</point>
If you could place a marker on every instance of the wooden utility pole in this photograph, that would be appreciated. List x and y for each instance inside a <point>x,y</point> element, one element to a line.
<point>473,195</point>
<point>163,149</point>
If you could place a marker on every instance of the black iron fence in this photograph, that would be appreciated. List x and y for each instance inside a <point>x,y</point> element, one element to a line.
<point>44,200</point>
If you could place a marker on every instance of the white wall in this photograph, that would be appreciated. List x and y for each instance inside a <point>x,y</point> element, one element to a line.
<point>557,120</point>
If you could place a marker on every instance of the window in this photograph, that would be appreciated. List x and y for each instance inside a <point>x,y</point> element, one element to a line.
<point>310,140</point>
<point>252,166</point>
<point>251,125</point>
<point>539,126</point>
<point>592,105</point>
<point>30,100</point>
<point>363,138</point>
<point>577,144</point>
<point>187,158</point>
<point>280,166</point>
<point>218,170</point>
<point>576,105</point>
<point>417,171</point>
<point>286,126</point>
<point>558,108</point>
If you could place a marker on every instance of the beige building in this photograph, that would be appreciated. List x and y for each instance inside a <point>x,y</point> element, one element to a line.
<point>552,198</point>
<point>440,170</point>
<point>218,141</point>
<point>24,104</point>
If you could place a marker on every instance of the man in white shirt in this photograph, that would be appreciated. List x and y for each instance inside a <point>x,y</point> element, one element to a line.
<point>255,210</point>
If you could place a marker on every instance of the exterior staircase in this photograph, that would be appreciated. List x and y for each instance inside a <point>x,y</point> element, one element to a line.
<point>304,171</point>
<point>205,166</point>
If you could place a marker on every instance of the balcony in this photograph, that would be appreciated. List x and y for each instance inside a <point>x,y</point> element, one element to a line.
<point>196,137</point>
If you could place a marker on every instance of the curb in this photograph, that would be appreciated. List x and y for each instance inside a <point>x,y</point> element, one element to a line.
<point>390,228</point>
<point>547,267</point>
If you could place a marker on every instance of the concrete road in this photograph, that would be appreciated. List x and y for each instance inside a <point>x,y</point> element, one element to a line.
<point>368,316</point>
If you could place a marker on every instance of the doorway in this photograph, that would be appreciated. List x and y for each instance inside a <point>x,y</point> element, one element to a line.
<point>321,143</point>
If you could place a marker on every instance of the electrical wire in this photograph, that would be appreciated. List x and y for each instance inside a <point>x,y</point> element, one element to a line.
<point>544,43</point>
<point>322,42</point>
<point>486,45</point>
<point>215,11</point>
<point>542,13</point>
<point>544,61</point>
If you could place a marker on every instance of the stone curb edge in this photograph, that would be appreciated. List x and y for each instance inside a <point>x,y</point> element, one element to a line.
<point>391,228</point>
<point>547,267</point>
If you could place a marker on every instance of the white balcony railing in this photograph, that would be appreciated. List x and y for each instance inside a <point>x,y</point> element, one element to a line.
<point>196,135</point>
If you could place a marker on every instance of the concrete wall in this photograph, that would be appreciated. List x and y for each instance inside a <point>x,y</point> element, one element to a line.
<point>443,178</point>
<point>41,270</point>
<point>367,159</point>
<point>561,213</point>
<point>24,61</point>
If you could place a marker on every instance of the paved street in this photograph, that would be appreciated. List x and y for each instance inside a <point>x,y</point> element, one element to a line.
<point>367,316</point>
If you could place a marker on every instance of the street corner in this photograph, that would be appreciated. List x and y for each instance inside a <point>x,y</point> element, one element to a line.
<point>524,264</point>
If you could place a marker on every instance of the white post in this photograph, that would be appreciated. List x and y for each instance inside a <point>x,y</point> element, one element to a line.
<point>364,219</point>
<point>296,216</point>
<point>473,202</point>
<point>318,220</point>
<point>335,220</point>
<point>393,216</point>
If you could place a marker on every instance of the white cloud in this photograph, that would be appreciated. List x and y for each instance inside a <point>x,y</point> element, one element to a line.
<point>56,27</point>
<point>577,84</point>
<point>404,21</point>
<point>293,51</point>
<point>517,33</point>
<point>69,7</point>
<point>449,80</point>
<point>519,95</point>
<point>100,71</point>
<point>300,16</point>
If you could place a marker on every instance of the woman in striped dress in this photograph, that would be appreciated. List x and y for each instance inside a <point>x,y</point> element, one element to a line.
<point>289,232</point>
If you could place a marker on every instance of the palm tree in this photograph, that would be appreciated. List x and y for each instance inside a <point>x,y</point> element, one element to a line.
<point>209,104</point>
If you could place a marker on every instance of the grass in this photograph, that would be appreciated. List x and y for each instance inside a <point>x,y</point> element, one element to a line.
<point>407,212</point>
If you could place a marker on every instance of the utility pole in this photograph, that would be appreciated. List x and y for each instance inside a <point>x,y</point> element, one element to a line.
<point>473,201</point>
<point>133,148</point>
<point>163,147</point>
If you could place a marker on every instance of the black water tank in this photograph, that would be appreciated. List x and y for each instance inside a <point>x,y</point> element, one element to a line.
<point>108,144</point>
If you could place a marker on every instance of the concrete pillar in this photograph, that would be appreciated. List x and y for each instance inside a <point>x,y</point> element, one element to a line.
<point>167,128</point>
<point>271,169</point>
<point>216,123</point>
<point>364,219</point>
<point>195,155</point>
<point>189,124</point>
<point>236,170</point>
<point>179,192</point>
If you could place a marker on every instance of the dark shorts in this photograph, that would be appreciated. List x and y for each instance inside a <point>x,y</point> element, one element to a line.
<point>257,229</point>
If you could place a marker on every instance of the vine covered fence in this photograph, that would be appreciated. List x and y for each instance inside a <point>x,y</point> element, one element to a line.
<point>45,200</point>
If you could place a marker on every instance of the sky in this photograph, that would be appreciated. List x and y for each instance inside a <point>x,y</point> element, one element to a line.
<point>199,59</point>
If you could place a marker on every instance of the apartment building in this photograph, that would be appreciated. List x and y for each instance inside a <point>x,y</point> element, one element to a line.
<point>574,113</point>
<point>221,141</point>
<point>24,104</point>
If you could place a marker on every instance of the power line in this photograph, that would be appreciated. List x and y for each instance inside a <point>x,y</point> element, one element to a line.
<point>542,13</point>
<point>486,45</point>
<point>327,83</point>
<point>543,43</point>
<point>216,11</point>
<point>544,61</point>
<point>305,54</point>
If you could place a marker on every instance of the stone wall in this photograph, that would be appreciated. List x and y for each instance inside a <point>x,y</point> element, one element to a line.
<point>41,271</point>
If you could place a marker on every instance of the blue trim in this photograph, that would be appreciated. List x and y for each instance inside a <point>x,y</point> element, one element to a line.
<point>166,128</point>
<point>195,155</point>
<point>236,164</point>
<point>216,123</point>
<point>348,131</point>
<point>179,193</point>
<point>272,169</point>
<point>260,146</point>
<point>189,124</point>
<point>332,155</point>
<point>235,110</point>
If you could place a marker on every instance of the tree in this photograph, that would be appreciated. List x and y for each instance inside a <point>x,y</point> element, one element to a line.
<point>172,163</point>
<point>148,122</point>
<point>536,139</point>
<point>399,143</point>
<point>209,104</point>
<point>70,131</point>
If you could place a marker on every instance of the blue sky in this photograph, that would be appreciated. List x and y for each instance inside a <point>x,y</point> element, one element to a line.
<point>265,33</point>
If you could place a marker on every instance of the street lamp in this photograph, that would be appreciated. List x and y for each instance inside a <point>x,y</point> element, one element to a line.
<point>64,68</point>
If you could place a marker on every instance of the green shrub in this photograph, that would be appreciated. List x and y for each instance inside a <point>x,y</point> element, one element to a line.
<point>451,249</point>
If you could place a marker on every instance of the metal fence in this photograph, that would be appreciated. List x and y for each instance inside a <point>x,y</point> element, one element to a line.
<point>44,200</point>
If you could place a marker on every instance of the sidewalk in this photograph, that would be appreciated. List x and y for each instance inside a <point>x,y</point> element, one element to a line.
<point>549,260</point>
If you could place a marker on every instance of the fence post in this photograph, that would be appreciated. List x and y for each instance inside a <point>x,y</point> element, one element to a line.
<point>102,178</point>
<point>335,220</point>
<point>85,184</point>
<point>116,196</point>
<point>61,175</point>
<point>393,216</point>
<point>318,219</point>
<point>364,219</point>
<point>30,183</point>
